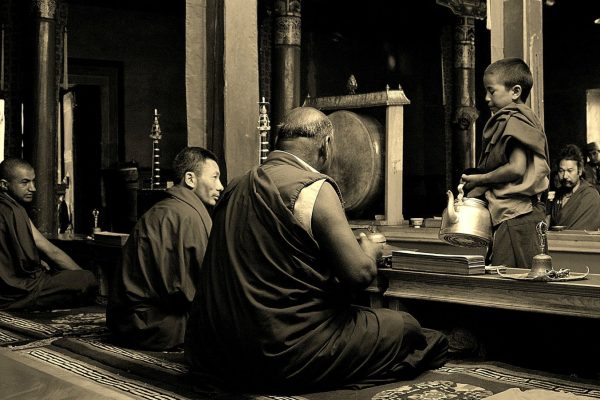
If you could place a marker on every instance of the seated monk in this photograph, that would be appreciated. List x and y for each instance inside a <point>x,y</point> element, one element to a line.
<point>151,293</point>
<point>34,273</point>
<point>273,310</point>
<point>576,203</point>
<point>592,167</point>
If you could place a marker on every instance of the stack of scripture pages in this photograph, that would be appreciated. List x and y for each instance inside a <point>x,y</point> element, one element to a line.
<point>111,238</point>
<point>441,263</point>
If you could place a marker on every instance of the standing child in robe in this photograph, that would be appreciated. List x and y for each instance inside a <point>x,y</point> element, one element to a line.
<point>514,159</point>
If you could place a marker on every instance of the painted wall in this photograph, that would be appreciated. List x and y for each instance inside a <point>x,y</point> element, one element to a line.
<point>149,42</point>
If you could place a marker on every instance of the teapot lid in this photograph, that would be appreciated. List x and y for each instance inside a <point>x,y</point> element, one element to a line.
<point>475,201</point>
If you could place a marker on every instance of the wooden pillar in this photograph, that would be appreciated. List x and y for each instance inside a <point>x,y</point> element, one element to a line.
<point>240,93</point>
<point>286,58</point>
<point>195,72</point>
<point>516,31</point>
<point>40,115</point>
<point>465,113</point>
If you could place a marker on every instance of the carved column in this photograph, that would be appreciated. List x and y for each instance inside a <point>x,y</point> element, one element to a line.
<point>517,31</point>
<point>40,115</point>
<point>465,113</point>
<point>286,58</point>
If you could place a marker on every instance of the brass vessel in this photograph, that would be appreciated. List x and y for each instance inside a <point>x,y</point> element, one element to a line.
<point>466,222</point>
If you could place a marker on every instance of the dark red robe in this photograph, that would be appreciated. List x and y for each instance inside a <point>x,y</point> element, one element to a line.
<point>20,270</point>
<point>269,312</point>
<point>582,211</point>
<point>24,283</point>
<point>151,293</point>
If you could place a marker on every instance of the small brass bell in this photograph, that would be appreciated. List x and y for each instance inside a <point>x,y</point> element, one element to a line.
<point>542,263</point>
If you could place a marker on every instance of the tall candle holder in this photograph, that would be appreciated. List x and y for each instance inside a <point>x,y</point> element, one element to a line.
<point>264,127</point>
<point>96,214</point>
<point>155,135</point>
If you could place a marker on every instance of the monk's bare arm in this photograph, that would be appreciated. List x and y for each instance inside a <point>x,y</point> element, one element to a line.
<point>512,171</point>
<point>353,262</point>
<point>59,257</point>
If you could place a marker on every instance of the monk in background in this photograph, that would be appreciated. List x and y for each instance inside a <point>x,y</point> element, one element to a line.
<point>34,273</point>
<point>273,310</point>
<point>152,291</point>
<point>577,202</point>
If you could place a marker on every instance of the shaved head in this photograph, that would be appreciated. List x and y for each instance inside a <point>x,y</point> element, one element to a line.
<point>305,122</point>
<point>307,133</point>
<point>9,166</point>
<point>17,179</point>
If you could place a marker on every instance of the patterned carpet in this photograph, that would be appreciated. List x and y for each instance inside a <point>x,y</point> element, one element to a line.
<point>85,321</point>
<point>8,338</point>
<point>70,349</point>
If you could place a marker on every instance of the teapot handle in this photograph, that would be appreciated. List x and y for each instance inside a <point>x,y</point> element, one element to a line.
<point>461,193</point>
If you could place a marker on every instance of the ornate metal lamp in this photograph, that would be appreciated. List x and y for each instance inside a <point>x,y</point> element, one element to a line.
<point>156,135</point>
<point>264,127</point>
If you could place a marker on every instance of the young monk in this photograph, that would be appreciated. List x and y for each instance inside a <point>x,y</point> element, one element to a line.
<point>514,160</point>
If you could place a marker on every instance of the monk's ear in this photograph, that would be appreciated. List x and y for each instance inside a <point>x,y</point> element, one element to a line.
<point>517,91</point>
<point>3,184</point>
<point>189,179</point>
<point>325,150</point>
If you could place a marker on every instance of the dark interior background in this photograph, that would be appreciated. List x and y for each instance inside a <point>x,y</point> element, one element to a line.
<point>380,42</point>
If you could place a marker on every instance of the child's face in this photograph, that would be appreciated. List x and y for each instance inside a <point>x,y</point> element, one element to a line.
<point>497,95</point>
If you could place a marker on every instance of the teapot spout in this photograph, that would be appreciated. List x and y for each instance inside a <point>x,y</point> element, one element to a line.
<point>452,216</point>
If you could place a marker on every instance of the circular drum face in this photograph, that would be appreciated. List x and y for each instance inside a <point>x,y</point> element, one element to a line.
<point>357,160</point>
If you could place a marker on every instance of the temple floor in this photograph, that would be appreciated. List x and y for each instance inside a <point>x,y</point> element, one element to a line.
<point>66,354</point>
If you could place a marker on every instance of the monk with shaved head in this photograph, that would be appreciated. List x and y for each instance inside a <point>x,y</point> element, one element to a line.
<point>34,273</point>
<point>273,310</point>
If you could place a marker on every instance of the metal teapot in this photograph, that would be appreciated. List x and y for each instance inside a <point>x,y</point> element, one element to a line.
<point>466,222</point>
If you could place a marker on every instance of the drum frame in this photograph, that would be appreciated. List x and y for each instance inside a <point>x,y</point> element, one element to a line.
<point>393,100</point>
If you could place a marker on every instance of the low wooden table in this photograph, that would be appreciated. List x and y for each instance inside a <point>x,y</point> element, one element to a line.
<point>569,249</point>
<point>579,298</point>
<point>98,257</point>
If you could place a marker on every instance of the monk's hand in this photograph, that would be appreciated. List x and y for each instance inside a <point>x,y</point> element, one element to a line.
<point>372,249</point>
<point>471,181</point>
<point>45,265</point>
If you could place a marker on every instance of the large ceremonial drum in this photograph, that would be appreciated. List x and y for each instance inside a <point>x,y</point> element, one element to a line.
<point>357,162</point>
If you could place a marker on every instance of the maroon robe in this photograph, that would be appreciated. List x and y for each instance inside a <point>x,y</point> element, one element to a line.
<point>582,211</point>
<point>270,314</point>
<point>24,283</point>
<point>20,269</point>
<point>514,206</point>
<point>152,290</point>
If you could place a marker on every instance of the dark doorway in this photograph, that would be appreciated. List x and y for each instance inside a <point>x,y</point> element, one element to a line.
<point>87,153</point>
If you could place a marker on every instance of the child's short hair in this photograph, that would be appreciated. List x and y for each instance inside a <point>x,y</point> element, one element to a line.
<point>513,71</point>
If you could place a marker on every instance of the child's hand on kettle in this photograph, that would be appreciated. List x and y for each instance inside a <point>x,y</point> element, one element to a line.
<point>471,181</point>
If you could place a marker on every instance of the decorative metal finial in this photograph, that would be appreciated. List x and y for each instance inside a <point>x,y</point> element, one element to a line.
<point>351,84</point>
<point>96,213</point>
<point>264,126</point>
<point>542,231</point>
<point>156,135</point>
